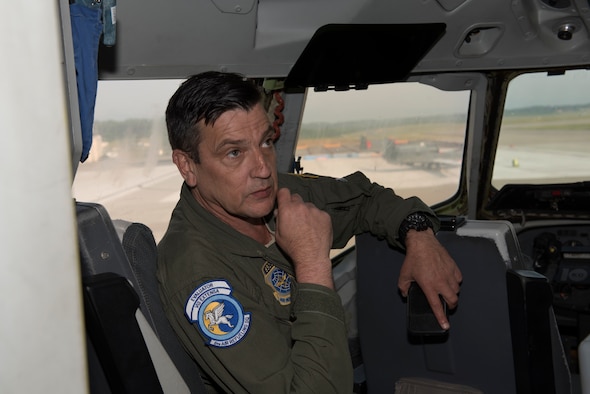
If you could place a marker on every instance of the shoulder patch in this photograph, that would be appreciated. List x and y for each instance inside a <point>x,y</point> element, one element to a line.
<point>279,281</point>
<point>219,316</point>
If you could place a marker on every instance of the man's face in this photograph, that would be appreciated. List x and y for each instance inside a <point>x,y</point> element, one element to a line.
<point>236,178</point>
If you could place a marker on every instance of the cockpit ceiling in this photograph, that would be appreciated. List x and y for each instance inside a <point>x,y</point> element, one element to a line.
<point>264,38</point>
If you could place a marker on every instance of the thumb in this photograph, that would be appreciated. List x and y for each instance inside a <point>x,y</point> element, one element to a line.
<point>283,196</point>
<point>404,285</point>
<point>404,281</point>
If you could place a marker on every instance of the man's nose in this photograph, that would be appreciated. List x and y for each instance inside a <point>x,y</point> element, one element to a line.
<point>262,164</point>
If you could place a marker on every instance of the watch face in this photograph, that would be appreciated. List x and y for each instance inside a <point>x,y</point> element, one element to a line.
<point>418,218</point>
<point>414,221</point>
<point>418,221</point>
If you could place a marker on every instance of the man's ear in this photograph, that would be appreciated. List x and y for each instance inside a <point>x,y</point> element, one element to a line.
<point>186,166</point>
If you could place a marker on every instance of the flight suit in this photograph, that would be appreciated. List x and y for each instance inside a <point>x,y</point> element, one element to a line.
<point>237,307</point>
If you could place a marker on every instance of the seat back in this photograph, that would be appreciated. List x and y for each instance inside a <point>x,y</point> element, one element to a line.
<point>119,249</point>
<point>480,349</point>
<point>116,341</point>
<point>141,250</point>
<point>540,365</point>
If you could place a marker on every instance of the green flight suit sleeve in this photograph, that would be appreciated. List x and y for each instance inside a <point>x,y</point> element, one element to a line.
<point>357,205</point>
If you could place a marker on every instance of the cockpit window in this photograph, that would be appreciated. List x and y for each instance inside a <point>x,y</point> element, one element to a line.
<point>407,136</point>
<point>129,169</point>
<point>545,133</point>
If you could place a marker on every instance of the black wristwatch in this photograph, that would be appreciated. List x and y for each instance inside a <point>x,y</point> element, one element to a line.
<point>417,221</point>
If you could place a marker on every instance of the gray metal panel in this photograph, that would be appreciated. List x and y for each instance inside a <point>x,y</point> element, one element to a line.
<point>484,251</point>
<point>176,38</point>
<point>479,326</point>
<point>503,235</point>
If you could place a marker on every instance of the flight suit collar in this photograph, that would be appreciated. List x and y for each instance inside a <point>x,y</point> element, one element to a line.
<point>233,241</point>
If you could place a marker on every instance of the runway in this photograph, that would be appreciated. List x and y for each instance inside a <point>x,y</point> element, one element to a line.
<point>148,193</point>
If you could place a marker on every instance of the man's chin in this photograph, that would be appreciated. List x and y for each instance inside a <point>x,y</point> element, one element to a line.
<point>266,211</point>
<point>261,203</point>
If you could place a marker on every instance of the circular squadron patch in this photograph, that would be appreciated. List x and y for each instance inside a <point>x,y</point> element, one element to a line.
<point>219,316</point>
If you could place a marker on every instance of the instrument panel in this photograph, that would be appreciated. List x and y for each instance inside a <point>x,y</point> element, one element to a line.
<point>562,254</point>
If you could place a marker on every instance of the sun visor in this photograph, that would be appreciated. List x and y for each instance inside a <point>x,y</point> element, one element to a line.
<point>353,56</point>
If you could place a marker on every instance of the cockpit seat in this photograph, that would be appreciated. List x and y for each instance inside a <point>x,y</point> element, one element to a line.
<point>131,346</point>
<point>503,336</point>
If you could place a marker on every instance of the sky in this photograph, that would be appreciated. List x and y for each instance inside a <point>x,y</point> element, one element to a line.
<point>120,100</point>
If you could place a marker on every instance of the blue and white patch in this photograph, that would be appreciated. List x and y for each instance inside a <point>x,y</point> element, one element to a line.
<point>219,316</point>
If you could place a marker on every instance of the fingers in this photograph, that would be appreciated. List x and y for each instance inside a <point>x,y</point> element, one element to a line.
<point>404,285</point>
<point>304,232</point>
<point>434,287</point>
<point>439,313</point>
<point>285,197</point>
<point>451,294</point>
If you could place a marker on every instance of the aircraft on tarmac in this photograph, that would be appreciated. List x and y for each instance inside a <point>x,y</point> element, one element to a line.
<point>428,154</point>
<point>499,89</point>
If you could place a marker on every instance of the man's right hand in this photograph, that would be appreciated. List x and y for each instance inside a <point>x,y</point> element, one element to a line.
<point>304,232</point>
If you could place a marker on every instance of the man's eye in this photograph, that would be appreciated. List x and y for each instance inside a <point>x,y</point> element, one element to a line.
<point>234,153</point>
<point>268,142</point>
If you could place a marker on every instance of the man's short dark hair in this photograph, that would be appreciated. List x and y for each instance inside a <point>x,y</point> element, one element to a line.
<point>205,97</point>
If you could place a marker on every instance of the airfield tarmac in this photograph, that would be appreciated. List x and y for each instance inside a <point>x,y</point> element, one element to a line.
<point>148,193</point>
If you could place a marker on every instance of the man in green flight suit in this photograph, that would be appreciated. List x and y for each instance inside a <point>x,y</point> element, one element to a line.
<point>244,268</point>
